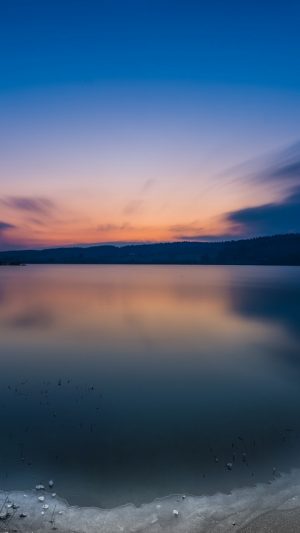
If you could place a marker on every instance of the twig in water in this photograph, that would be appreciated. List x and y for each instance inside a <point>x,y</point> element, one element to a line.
<point>52,521</point>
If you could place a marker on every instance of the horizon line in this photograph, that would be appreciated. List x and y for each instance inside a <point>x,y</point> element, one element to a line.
<point>116,244</point>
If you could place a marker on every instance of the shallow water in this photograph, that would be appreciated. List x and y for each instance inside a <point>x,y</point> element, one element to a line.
<point>127,383</point>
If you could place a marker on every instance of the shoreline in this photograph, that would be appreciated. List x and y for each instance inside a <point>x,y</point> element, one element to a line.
<point>273,506</point>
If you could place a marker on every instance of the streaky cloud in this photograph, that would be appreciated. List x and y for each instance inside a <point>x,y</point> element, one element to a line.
<point>5,239</point>
<point>39,206</point>
<point>148,185</point>
<point>109,227</point>
<point>4,226</point>
<point>271,218</point>
<point>133,207</point>
<point>286,165</point>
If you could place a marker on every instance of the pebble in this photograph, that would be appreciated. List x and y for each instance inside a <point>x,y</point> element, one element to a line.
<point>175,512</point>
<point>41,498</point>
<point>51,483</point>
<point>39,487</point>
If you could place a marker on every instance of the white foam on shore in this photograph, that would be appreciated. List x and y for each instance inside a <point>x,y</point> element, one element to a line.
<point>173,514</point>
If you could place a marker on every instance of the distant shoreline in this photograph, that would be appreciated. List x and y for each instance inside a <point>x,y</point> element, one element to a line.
<point>277,250</point>
<point>11,264</point>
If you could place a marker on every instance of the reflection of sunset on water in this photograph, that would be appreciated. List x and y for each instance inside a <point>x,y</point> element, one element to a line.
<point>117,306</point>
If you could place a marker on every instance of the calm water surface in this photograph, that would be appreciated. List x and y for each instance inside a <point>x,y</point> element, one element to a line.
<point>126,383</point>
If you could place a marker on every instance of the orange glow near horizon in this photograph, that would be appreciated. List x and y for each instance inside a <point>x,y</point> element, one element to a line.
<point>151,211</point>
<point>68,231</point>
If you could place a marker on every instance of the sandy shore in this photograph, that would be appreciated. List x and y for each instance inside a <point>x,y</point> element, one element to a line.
<point>275,522</point>
<point>273,507</point>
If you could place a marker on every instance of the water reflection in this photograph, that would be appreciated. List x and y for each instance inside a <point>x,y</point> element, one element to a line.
<point>274,300</point>
<point>127,383</point>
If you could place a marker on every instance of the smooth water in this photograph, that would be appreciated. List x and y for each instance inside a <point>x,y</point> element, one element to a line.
<point>126,383</point>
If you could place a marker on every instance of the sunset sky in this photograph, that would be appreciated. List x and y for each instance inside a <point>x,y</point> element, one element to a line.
<point>148,120</point>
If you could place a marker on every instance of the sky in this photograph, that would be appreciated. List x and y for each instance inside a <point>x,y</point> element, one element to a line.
<point>148,120</point>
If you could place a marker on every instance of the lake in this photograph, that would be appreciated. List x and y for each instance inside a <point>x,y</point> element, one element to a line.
<point>127,383</point>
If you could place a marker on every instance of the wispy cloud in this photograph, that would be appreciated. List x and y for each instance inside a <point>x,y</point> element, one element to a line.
<point>38,206</point>
<point>186,231</point>
<point>271,218</point>
<point>286,165</point>
<point>4,226</point>
<point>111,228</point>
<point>133,207</point>
<point>29,215</point>
<point>136,205</point>
<point>281,173</point>
<point>5,238</point>
<point>148,185</point>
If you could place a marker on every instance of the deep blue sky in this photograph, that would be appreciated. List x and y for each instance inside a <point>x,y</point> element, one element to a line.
<point>58,41</point>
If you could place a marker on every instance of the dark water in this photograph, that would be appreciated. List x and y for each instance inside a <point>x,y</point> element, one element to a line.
<point>126,383</point>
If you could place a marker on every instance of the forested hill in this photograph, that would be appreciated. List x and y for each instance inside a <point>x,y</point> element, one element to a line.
<point>275,250</point>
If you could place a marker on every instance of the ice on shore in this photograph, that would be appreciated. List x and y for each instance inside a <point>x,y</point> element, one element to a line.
<point>214,514</point>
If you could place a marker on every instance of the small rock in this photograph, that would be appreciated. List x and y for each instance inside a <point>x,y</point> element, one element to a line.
<point>41,498</point>
<point>22,515</point>
<point>4,515</point>
<point>53,494</point>
<point>46,506</point>
<point>175,512</point>
<point>39,487</point>
<point>51,483</point>
<point>229,466</point>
